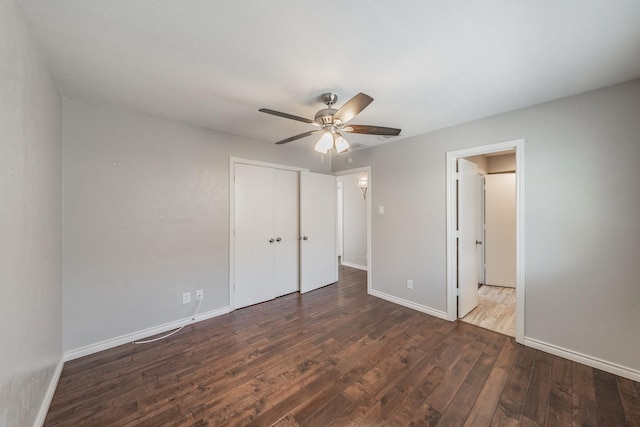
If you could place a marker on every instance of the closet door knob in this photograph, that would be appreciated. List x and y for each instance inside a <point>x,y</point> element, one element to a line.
<point>278,239</point>
<point>271,240</point>
<point>305,238</point>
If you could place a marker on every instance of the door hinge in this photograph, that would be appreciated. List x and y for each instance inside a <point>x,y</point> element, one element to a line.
<point>457,292</point>
<point>457,176</point>
<point>458,234</point>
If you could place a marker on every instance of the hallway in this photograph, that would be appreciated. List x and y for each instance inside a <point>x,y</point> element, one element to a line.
<point>496,310</point>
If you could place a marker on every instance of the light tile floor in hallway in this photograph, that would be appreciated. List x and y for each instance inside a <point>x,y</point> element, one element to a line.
<point>496,310</point>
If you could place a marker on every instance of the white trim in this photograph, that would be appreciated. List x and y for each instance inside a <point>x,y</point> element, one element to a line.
<point>520,221</point>
<point>594,362</point>
<point>48,396</point>
<point>410,304</point>
<point>232,219</point>
<point>353,172</point>
<point>452,157</point>
<point>366,169</point>
<point>133,336</point>
<point>339,219</point>
<point>352,265</point>
<point>235,160</point>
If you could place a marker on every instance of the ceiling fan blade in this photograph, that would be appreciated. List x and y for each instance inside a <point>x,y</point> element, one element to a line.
<point>372,130</point>
<point>302,135</point>
<point>285,115</point>
<point>352,107</point>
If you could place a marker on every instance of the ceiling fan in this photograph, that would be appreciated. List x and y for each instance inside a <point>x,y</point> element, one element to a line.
<point>332,121</point>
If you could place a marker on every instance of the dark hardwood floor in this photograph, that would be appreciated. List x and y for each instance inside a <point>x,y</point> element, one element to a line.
<point>337,357</point>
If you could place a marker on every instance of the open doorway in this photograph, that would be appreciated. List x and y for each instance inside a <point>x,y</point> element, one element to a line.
<point>495,242</point>
<point>354,218</point>
<point>485,236</point>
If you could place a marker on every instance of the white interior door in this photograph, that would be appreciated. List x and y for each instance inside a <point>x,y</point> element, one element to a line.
<point>318,258</point>
<point>501,229</point>
<point>254,227</point>
<point>286,232</point>
<point>468,213</point>
<point>481,238</point>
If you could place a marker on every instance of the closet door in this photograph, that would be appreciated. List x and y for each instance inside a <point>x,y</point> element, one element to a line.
<point>318,255</point>
<point>286,232</point>
<point>254,235</point>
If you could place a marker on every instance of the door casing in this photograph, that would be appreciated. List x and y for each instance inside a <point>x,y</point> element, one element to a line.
<point>451,159</point>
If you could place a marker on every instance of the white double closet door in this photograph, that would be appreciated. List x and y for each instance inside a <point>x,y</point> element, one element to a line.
<point>266,233</point>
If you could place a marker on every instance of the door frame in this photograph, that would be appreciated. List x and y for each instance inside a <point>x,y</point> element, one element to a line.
<point>354,171</point>
<point>232,220</point>
<point>452,256</point>
<point>339,220</point>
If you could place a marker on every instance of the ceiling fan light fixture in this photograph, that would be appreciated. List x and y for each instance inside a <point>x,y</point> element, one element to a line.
<point>332,120</point>
<point>341,144</point>
<point>325,143</point>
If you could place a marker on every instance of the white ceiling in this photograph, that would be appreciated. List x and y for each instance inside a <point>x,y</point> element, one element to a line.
<point>427,64</point>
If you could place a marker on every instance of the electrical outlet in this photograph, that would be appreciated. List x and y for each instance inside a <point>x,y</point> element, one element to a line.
<point>186,297</point>
<point>199,294</point>
<point>409,284</point>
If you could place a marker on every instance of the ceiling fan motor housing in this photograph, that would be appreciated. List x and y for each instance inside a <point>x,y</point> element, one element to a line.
<point>325,116</point>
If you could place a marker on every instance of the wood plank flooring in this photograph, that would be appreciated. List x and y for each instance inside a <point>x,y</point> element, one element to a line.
<point>496,310</point>
<point>337,357</point>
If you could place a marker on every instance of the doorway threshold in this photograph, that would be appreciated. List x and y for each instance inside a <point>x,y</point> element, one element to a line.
<point>496,310</point>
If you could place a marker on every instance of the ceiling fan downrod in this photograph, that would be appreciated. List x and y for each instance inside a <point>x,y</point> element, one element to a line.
<point>324,117</point>
<point>329,98</point>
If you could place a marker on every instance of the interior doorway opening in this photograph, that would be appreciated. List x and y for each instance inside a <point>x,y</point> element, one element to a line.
<point>495,215</point>
<point>485,246</point>
<point>354,219</point>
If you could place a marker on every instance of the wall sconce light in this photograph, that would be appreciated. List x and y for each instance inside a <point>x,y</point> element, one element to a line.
<point>362,184</point>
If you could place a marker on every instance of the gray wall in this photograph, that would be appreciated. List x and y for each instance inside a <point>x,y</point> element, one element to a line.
<point>30,224</point>
<point>581,217</point>
<point>146,212</point>
<point>354,216</point>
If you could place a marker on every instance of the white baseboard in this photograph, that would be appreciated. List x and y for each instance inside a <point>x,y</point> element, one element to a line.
<point>48,397</point>
<point>594,362</point>
<point>409,304</point>
<point>134,336</point>
<point>352,265</point>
